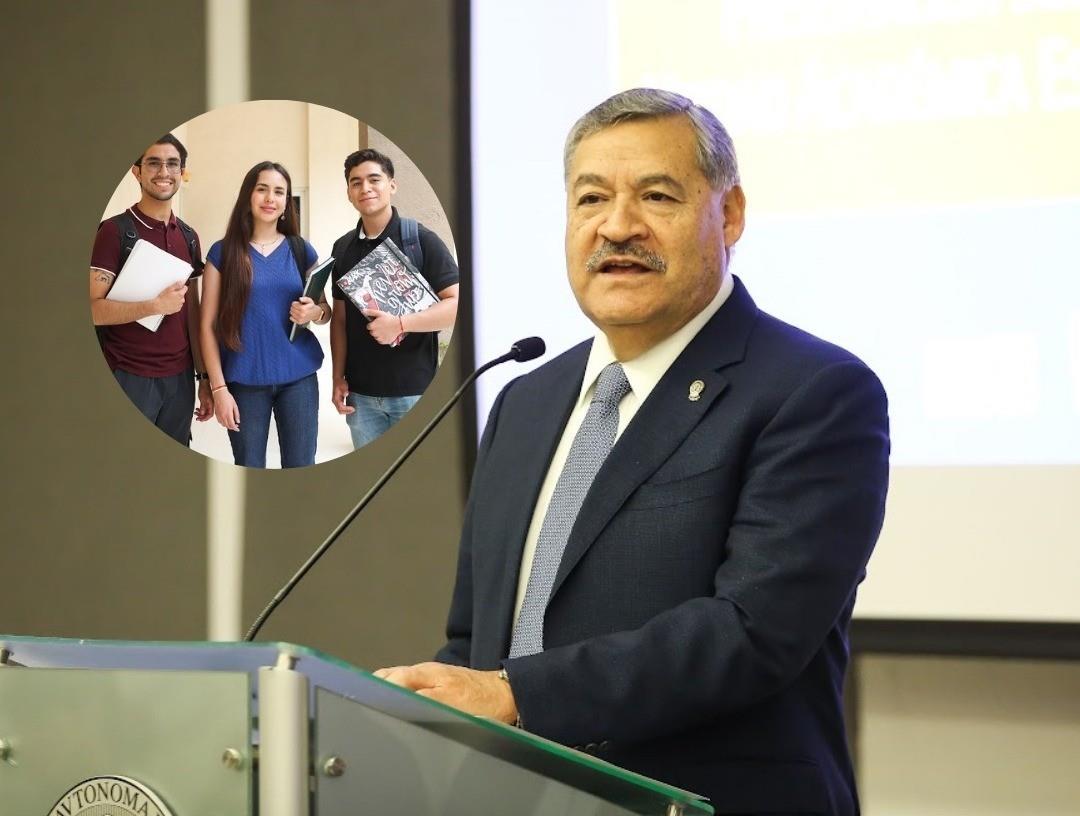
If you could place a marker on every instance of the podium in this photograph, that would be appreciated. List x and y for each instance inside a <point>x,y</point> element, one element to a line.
<point>111,728</point>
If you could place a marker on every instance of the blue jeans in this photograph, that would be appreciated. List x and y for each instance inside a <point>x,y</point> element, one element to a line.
<point>295,407</point>
<point>374,416</point>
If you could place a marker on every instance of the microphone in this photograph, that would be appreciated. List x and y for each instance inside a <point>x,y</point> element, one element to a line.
<point>527,349</point>
<point>522,351</point>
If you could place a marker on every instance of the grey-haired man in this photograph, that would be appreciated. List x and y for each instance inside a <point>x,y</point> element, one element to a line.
<point>667,523</point>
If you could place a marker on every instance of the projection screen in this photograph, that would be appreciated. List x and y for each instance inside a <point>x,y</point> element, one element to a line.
<point>913,195</point>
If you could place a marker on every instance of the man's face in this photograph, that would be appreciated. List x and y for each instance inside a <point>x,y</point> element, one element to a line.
<point>159,171</point>
<point>370,189</point>
<point>646,236</point>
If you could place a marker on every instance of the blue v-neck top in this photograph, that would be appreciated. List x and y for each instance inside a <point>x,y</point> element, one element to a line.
<point>266,356</point>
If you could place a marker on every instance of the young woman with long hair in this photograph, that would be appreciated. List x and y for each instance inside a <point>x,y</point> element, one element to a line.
<point>252,287</point>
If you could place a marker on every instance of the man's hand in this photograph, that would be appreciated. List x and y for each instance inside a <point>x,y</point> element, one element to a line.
<point>206,402</point>
<point>385,328</point>
<point>482,693</point>
<point>340,394</point>
<point>305,310</point>
<point>170,300</point>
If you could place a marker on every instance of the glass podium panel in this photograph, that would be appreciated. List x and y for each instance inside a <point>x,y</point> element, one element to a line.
<point>478,752</point>
<point>400,767</point>
<point>165,730</point>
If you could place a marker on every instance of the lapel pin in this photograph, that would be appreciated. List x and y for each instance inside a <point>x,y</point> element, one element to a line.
<point>696,387</point>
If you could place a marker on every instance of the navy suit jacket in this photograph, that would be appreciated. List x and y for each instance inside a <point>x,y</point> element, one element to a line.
<point>697,628</point>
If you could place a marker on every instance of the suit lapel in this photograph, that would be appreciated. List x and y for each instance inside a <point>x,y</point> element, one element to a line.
<point>663,422</point>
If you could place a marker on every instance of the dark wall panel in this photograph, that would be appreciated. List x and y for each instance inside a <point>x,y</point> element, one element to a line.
<point>102,525</point>
<point>381,595</point>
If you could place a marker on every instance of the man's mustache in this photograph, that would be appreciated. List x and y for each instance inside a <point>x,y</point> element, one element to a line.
<point>649,260</point>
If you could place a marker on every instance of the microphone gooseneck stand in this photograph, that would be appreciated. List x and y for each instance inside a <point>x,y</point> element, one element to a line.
<point>523,350</point>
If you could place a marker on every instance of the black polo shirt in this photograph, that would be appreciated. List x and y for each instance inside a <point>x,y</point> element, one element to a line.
<point>371,368</point>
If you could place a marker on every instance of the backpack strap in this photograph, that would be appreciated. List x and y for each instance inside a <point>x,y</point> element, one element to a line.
<point>299,253</point>
<point>410,237</point>
<point>193,246</point>
<point>125,226</point>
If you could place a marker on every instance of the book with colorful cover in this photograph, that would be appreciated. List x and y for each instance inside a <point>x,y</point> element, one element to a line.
<point>386,280</point>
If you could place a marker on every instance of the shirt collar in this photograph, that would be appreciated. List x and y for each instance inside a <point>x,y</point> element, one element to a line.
<point>149,222</point>
<point>645,370</point>
<point>394,218</point>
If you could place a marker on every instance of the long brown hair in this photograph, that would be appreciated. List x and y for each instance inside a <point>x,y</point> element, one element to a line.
<point>236,271</point>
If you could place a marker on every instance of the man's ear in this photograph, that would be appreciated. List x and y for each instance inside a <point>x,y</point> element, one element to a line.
<point>135,171</point>
<point>734,215</point>
<point>393,186</point>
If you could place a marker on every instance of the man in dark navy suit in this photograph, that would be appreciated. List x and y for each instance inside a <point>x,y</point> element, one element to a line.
<point>667,523</point>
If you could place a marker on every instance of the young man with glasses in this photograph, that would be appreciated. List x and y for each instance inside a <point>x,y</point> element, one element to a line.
<point>155,369</point>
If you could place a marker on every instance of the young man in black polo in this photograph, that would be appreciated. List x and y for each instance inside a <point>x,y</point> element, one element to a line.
<point>376,383</point>
<point>157,370</point>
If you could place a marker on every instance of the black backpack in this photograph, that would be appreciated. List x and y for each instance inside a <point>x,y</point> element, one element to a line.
<point>299,253</point>
<point>410,237</point>
<point>125,226</point>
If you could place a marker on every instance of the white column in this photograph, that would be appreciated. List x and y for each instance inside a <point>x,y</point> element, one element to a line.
<point>284,731</point>
<point>227,37</point>
<point>226,84</point>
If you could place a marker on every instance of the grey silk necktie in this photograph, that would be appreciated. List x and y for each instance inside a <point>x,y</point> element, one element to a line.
<point>590,448</point>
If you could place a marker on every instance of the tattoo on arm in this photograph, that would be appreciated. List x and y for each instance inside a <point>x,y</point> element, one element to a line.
<point>103,277</point>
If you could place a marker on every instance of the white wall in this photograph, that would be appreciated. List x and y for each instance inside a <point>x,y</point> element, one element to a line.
<point>331,136</point>
<point>947,736</point>
<point>225,143</point>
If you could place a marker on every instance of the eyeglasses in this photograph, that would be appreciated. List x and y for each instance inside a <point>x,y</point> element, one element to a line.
<point>155,165</point>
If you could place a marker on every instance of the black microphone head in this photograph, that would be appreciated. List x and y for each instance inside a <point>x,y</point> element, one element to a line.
<point>528,348</point>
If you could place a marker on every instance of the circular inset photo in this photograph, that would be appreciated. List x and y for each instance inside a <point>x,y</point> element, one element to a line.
<point>273,284</point>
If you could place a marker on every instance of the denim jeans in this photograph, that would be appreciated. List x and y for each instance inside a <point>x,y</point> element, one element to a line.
<point>168,402</point>
<point>295,407</point>
<point>374,416</point>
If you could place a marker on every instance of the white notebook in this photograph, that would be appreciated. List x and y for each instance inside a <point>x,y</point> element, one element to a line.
<point>147,271</point>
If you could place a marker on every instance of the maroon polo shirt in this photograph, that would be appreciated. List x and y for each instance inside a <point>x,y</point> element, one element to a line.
<point>129,346</point>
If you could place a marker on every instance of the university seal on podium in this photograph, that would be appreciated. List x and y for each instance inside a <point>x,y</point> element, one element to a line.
<point>112,795</point>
